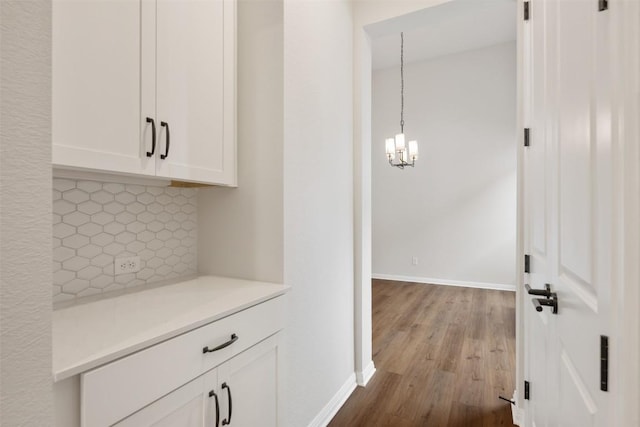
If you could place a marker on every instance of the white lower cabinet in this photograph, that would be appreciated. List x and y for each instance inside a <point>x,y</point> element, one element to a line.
<point>188,406</point>
<point>223,373</point>
<point>242,392</point>
<point>249,384</point>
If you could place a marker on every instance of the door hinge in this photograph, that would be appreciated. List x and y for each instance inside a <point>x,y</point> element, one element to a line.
<point>527,394</point>
<point>527,263</point>
<point>604,363</point>
<point>526,10</point>
<point>526,137</point>
<point>603,5</point>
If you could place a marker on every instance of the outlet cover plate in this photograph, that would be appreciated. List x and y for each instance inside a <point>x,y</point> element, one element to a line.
<point>127,265</point>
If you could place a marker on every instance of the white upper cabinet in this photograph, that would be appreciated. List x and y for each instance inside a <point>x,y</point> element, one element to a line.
<point>145,87</point>
<point>97,64</point>
<point>195,89</point>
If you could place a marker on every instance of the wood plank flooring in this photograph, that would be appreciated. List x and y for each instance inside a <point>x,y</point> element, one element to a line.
<point>443,355</point>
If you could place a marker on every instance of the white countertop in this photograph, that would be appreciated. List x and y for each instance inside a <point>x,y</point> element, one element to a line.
<point>89,335</point>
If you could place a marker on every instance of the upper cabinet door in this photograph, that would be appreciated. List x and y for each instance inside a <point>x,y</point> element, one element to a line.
<point>196,90</point>
<point>100,78</point>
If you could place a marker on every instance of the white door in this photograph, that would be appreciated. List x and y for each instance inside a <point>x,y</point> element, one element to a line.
<point>100,103</point>
<point>569,213</point>
<point>248,385</point>
<point>192,405</point>
<point>196,90</point>
<point>539,361</point>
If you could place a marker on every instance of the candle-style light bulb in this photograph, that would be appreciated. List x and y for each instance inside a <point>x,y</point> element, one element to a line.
<point>400,144</point>
<point>413,150</point>
<point>390,148</point>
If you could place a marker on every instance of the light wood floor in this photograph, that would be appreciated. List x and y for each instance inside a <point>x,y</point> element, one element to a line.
<point>443,355</point>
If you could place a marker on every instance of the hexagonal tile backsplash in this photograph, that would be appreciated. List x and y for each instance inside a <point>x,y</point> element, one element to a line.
<point>95,222</point>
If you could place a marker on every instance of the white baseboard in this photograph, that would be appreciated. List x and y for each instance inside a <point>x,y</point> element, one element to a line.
<point>446,282</point>
<point>362,378</point>
<point>329,411</point>
<point>516,412</point>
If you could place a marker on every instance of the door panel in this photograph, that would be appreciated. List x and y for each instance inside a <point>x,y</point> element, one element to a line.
<point>581,179</point>
<point>540,399</point>
<point>537,152</point>
<point>577,396</point>
<point>577,210</point>
<point>538,229</point>
<point>574,55</point>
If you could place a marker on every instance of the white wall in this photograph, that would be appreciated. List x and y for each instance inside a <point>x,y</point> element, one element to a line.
<point>291,217</point>
<point>25,213</point>
<point>456,210</point>
<point>241,229</point>
<point>318,200</point>
<point>367,13</point>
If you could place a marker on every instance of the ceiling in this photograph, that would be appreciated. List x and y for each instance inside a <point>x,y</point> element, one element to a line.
<point>452,27</point>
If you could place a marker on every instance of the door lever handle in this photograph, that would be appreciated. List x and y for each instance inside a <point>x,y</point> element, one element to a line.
<point>551,301</point>
<point>546,292</point>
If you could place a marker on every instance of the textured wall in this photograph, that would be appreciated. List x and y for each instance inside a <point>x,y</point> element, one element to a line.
<point>94,223</point>
<point>25,213</point>
<point>456,210</point>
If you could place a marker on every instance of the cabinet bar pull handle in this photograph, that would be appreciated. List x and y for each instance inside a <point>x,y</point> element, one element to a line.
<point>166,150</point>
<point>233,339</point>
<point>225,421</point>
<point>213,394</point>
<point>153,136</point>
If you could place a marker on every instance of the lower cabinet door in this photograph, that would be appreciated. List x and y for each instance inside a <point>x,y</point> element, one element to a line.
<point>241,392</point>
<point>192,405</point>
<point>248,386</point>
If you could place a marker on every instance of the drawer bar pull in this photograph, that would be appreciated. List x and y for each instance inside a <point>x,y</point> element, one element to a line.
<point>233,339</point>
<point>213,394</point>
<point>227,421</point>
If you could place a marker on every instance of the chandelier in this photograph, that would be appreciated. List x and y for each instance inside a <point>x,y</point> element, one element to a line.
<point>407,153</point>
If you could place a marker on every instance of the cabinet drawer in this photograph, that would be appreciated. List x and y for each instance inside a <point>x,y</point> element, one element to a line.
<point>116,390</point>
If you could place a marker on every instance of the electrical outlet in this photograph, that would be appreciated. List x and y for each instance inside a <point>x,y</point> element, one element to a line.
<point>127,265</point>
<point>414,260</point>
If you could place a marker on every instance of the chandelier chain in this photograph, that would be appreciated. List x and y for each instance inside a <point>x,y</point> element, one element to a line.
<point>401,82</point>
<point>407,152</point>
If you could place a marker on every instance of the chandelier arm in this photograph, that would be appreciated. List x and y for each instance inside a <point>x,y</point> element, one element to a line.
<point>402,164</point>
